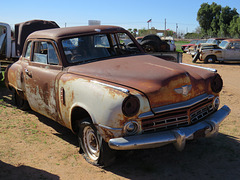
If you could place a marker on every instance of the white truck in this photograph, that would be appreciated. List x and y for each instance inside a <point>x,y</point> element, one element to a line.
<point>11,42</point>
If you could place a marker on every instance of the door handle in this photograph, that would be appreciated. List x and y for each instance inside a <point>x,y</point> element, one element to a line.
<point>28,72</point>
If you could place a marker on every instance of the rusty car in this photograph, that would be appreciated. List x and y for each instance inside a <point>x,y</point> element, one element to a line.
<point>192,50</point>
<point>186,46</point>
<point>228,50</point>
<point>114,97</point>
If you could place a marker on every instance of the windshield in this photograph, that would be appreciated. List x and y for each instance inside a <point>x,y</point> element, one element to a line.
<point>193,42</point>
<point>224,44</point>
<point>200,41</point>
<point>95,47</point>
<point>212,41</point>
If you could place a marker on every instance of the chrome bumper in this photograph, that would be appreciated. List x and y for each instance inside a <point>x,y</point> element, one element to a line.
<point>206,128</point>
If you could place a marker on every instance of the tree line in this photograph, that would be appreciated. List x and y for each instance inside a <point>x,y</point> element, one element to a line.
<point>217,21</point>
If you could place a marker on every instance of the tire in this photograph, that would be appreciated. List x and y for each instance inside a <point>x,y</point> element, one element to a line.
<point>19,102</point>
<point>211,59</point>
<point>148,48</point>
<point>94,149</point>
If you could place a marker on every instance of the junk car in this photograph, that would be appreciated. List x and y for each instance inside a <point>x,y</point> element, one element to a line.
<point>228,50</point>
<point>114,97</point>
<point>153,43</point>
<point>186,46</point>
<point>192,50</point>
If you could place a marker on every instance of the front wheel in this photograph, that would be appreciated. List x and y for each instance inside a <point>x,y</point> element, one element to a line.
<point>210,59</point>
<point>95,150</point>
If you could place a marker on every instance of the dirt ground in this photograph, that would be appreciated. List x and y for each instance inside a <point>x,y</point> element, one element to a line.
<point>34,147</point>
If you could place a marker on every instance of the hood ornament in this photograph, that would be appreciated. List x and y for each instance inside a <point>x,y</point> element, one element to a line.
<point>184,90</point>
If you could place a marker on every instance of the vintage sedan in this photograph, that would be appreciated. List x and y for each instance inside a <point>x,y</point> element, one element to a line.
<point>228,50</point>
<point>186,46</point>
<point>114,97</point>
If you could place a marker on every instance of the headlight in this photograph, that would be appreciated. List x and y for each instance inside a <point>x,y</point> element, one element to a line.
<point>217,84</point>
<point>130,106</point>
<point>131,128</point>
<point>216,103</point>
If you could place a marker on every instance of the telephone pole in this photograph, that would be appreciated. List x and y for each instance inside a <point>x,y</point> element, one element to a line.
<point>165,27</point>
<point>176,29</point>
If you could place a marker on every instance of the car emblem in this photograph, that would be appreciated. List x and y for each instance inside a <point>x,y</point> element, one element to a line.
<point>184,90</point>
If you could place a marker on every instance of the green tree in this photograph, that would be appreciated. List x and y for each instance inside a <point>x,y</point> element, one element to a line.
<point>226,17</point>
<point>216,11</point>
<point>215,20</point>
<point>204,17</point>
<point>130,30</point>
<point>192,36</point>
<point>169,32</point>
<point>234,28</point>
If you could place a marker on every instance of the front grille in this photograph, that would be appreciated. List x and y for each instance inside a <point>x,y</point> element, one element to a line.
<point>178,118</point>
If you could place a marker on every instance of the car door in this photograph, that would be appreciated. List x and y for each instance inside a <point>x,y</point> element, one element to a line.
<point>40,76</point>
<point>233,51</point>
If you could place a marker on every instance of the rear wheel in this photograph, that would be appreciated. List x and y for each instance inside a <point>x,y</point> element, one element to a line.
<point>210,59</point>
<point>148,48</point>
<point>94,149</point>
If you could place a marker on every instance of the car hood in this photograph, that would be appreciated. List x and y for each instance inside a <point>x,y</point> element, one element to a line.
<point>185,45</point>
<point>207,44</point>
<point>156,78</point>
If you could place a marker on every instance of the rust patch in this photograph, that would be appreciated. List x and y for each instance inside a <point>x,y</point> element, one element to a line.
<point>106,134</point>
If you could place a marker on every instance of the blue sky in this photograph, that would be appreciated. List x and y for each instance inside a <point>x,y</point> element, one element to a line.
<point>125,13</point>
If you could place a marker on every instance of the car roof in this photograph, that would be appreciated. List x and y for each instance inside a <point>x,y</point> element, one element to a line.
<point>232,40</point>
<point>59,33</point>
<point>218,38</point>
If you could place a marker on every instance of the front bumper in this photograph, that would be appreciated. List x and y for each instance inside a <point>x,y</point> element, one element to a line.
<point>206,128</point>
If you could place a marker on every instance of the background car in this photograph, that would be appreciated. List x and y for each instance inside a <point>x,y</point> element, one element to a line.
<point>192,43</point>
<point>228,50</point>
<point>153,43</point>
<point>193,49</point>
<point>171,42</point>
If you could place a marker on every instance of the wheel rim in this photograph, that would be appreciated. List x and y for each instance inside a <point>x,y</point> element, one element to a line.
<point>210,60</point>
<point>91,143</point>
<point>148,48</point>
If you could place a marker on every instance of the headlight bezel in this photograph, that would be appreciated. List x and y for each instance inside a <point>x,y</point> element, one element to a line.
<point>216,83</point>
<point>130,106</point>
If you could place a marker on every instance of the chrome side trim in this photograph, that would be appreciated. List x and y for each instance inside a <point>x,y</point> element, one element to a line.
<point>180,105</point>
<point>207,128</point>
<point>110,128</point>
<point>146,115</point>
<point>111,86</point>
<point>209,69</point>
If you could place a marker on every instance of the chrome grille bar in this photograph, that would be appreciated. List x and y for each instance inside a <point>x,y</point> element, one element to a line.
<point>178,117</point>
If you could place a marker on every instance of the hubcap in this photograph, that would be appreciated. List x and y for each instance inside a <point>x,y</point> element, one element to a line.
<point>148,48</point>
<point>91,143</point>
<point>210,60</point>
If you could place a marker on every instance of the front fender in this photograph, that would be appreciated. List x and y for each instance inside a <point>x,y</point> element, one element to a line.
<point>102,101</point>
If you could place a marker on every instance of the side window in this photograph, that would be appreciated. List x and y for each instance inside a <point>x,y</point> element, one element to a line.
<point>44,52</point>
<point>28,51</point>
<point>236,45</point>
<point>52,55</point>
<point>101,40</point>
